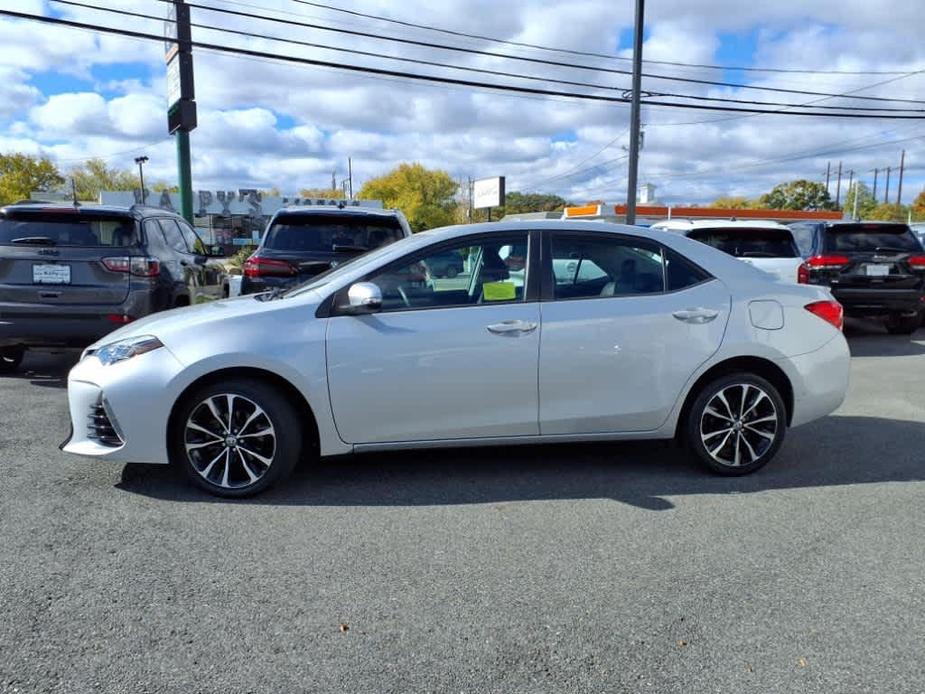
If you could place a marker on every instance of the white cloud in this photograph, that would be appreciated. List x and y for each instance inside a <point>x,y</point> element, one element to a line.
<point>270,124</point>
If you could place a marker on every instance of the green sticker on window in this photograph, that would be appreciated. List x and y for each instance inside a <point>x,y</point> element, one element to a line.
<point>499,291</point>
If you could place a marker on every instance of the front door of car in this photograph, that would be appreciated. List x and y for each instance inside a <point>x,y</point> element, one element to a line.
<point>445,357</point>
<point>625,324</point>
<point>205,274</point>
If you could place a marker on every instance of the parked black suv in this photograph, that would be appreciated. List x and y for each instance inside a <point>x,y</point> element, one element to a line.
<point>301,242</point>
<point>872,268</point>
<point>69,274</point>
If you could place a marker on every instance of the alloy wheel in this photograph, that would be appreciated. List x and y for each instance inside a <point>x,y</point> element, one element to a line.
<point>739,425</point>
<point>230,441</point>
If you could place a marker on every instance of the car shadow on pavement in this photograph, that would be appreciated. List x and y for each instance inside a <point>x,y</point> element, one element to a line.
<point>830,452</point>
<point>46,369</point>
<point>868,338</point>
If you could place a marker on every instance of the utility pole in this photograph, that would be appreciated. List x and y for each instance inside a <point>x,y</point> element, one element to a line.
<point>469,195</point>
<point>850,183</point>
<point>838,188</point>
<point>350,177</point>
<point>876,171</point>
<point>634,114</point>
<point>141,176</point>
<point>828,174</point>
<point>886,194</point>
<point>181,104</point>
<point>854,212</point>
<point>334,181</point>
<point>902,166</point>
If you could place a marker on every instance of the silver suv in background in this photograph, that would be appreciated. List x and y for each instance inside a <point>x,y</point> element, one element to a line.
<point>70,274</point>
<point>768,246</point>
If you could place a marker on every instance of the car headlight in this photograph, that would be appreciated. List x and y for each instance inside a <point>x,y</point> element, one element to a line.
<point>126,349</point>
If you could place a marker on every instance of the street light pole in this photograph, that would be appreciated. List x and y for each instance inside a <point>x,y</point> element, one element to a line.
<point>141,161</point>
<point>631,181</point>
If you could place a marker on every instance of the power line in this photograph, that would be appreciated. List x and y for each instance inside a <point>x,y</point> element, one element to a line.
<point>433,78</point>
<point>496,73</point>
<point>541,61</point>
<point>590,54</point>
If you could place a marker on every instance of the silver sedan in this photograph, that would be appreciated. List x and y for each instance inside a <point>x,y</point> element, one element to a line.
<point>548,332</point>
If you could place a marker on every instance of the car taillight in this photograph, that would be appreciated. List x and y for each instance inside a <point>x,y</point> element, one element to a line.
<point>119,318</point>
<point>827,262</point>
<point>916,262</point>
<point>829,311</point>
<point>136,265</point>
<point>803,274</point>
<point>255,266</point>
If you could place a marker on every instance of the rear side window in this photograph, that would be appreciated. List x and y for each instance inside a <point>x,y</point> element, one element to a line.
<point>871,237</point>
<point>69,229</point>
<point>682,273</point>
<point>744,242</point>
<point>330,233</point>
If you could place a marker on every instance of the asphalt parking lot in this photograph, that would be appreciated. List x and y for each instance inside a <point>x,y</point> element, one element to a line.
<point>544,569</point>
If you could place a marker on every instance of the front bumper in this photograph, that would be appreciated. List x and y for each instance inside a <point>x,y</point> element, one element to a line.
<point>135,395</point>
<point>819,380</point>
<point>871,302</point>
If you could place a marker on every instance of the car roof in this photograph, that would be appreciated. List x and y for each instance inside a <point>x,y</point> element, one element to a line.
<point>87,208</point>
<point>336,210</point>
<point>691,224</point>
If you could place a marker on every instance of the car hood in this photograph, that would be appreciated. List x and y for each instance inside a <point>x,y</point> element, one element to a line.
<point>207,316</point>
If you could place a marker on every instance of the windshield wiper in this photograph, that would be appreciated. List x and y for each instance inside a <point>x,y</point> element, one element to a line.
<point>891,249</point>
<point>275,293</point>
<point>338,248</point>
<point>36,241</point>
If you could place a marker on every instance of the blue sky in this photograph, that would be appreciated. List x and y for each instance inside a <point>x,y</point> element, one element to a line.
<point>73,94</point>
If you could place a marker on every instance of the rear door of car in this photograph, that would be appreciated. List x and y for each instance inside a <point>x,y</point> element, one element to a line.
<point>772,250</point>
<point>874,256</point>
<point>625,322</point>
<point>56,256</point>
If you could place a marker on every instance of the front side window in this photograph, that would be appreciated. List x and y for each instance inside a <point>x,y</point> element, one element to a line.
<point>193,242</point>
<point>488,271</point>
<point>598,266</point>
<point>172,235</point>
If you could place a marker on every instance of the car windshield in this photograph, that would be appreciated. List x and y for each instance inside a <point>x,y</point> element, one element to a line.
<point>872,237</point>
<point>67,229</point>
<point>749,242</point>
<point>325,233</point>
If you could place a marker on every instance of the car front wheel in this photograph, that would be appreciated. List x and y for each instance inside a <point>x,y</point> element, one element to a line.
<point>736,424</point>
<point>236,438</point>
<point>10,359</point>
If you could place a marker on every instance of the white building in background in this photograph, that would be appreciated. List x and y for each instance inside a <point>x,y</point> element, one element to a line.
<point>646,194</point>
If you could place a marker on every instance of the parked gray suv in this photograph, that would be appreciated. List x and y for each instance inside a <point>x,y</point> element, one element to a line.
<point>69,274</point>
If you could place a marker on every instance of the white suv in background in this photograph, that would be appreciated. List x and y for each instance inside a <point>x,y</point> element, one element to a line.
<point>768,246</point>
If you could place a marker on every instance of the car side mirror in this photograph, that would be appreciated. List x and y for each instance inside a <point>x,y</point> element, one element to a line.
<point>363,297</point>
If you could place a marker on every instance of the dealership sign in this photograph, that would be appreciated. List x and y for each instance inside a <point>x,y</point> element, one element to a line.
<point>488,192</point>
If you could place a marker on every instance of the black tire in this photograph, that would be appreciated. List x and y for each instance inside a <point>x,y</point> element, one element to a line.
<point>898,324</point>
<point>282,448</point>
<point>10,359</point>
<point>757,449</point>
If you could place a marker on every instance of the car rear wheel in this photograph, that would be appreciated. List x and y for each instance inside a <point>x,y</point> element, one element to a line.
<point>736,424</point>
<point>10,359</point>
<point>897,324</point>
<point>236,438</point>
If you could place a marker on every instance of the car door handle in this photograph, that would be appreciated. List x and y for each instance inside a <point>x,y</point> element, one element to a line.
<point>696,315</point>
<point>511,327</point>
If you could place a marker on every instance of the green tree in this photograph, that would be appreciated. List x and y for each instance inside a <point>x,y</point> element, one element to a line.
<point>798,195</point>
<point>740,202</point>
<point>918,207</point>
<point>888,212</point>
<point>425,196</point>
<point>93,176</point>
<point>519,203</point>
<point>322,193</point>
<point>866,201</point>
<point>21,174</point>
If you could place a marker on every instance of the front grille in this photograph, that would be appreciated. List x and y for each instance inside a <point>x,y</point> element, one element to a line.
<point>100,427</point>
